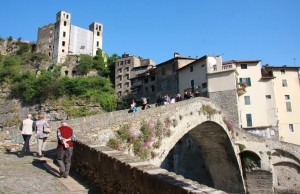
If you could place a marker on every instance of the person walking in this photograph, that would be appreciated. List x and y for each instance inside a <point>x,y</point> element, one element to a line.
<point>65,139</point>
<point>26,128</point>
<point>41,135</point>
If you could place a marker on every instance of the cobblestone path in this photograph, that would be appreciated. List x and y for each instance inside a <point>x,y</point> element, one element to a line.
<point>38,175</point>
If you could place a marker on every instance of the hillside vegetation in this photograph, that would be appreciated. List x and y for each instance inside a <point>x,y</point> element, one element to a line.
<point>32,79</point>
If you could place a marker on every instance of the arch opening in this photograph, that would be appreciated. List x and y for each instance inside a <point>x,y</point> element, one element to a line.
<point>250,161</point>
<point>205,154</point>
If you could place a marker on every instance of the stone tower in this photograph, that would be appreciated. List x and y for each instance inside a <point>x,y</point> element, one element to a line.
<point>97,30</point>
<point>61,36</point>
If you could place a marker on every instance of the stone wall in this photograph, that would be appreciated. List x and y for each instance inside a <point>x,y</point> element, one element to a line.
<point>115,172</point>
<point>259,181</point>
<point>228,104</point>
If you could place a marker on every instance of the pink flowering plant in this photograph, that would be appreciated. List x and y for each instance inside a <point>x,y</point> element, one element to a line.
<point>142,141</point>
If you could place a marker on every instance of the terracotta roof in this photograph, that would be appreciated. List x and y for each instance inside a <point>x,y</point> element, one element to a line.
<point>240,61</point>
<point>278,67</point>
<point>205,56</point>
<point>170,60</point>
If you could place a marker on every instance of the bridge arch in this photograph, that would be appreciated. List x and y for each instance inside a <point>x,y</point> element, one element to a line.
<point>206,154</point>
<point>250,160</point>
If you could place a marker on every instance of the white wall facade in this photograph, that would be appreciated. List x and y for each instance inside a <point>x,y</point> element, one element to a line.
<point>255,103</point>
<point>81,41</point>
<point>198,74</point>
<point>288,121</point>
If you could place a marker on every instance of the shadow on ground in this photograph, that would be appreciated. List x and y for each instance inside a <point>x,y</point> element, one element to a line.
<point>42,164</point>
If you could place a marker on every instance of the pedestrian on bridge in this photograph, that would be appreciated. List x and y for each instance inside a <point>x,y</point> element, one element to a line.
<point>26,128</point>
<point>65,138</point>
<point>41,135</point>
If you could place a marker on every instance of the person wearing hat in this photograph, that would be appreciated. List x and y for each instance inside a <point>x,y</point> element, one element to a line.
<point>65,138</point>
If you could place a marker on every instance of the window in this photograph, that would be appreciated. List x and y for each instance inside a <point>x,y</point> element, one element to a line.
<point>153,88</point>
<point>64,34</point>
<point>247,100</point>
<point>244,66</point>
<point>146,89</point>
<point>202,65</point>
<point>63,50</point>
<point>246,80</point>
<point>214,67</point>
<point>146,80</point>
<point>65,23</point>
<point>63,43</point>
<point>204,85</point>
<point>97,43</point>
<point>268,96</point>
<point>282,71</point>
<point>98,33</point>
<point>174,84</point>
<point>288,106</point>
<point>163,84</point>
<point>163,71</point>
<point>174,67</point>
<point>191,68</point>
<point>192,83</point>
<point>153,78</point>
<point>284,83</point>
<point>249,120</point>
<point>286,97</point>
<point>291,127</point>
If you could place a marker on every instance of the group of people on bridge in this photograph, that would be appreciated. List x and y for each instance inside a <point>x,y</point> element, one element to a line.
<point>41,129</point>
<point>161,100</point>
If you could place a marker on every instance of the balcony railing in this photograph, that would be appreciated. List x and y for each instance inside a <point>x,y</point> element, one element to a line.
<point>221,68</point>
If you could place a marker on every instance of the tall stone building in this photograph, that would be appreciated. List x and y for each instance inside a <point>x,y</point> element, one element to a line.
<point>62,38</point>
<point>167,75</point>
<point>127,68</point>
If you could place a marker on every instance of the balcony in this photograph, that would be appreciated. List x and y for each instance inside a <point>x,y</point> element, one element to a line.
<point>221,68</point>
<point>241,88</point>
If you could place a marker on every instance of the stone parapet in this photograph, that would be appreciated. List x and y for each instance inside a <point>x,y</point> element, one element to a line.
<point>115,172</point>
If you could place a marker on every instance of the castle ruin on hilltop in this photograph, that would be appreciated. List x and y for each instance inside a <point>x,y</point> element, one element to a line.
<point>61,39</point>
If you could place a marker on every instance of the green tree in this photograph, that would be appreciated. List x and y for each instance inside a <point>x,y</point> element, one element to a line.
<point>85,64</point>
<point>111,65</point>
<point>9,68</point>
<point>99,63</point>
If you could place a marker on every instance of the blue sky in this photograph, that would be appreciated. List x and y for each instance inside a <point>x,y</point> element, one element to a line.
<point>268,30</point>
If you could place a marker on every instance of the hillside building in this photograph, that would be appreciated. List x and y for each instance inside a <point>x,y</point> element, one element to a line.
<point>286,87</point>
<point>263,101</point>
<point>62,38</point>
<point>167,75</point>
<point>127,69</point>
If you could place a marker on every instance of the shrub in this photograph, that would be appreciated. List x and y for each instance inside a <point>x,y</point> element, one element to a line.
<point>142,140</point>
<point>207,110</point>
<point>242,147</point>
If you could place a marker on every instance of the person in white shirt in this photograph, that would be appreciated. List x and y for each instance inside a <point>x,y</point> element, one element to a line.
<point>26,127</point>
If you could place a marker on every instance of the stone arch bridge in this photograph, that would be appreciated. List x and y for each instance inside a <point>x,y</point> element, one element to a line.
<point>196,143</point>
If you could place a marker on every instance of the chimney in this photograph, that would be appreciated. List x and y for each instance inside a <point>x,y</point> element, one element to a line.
<point>176,55</point>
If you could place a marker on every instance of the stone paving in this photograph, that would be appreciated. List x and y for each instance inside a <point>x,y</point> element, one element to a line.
<point>38,175</point>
